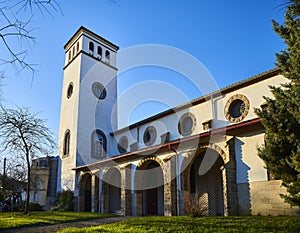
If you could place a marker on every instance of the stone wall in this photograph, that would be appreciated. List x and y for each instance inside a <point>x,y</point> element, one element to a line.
<point>266,200</point>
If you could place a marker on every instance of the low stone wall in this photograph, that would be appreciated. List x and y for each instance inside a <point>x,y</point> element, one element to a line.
<point>265,199</point>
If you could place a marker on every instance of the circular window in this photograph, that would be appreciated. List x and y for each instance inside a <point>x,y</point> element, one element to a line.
<point>237,108</point>
<point>99,90</point>
<point>150,136</point>
<point>70,90</point>
<point>186,124</point>
<point>123,144</point>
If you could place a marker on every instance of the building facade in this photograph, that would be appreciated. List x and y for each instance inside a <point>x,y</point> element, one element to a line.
<point>44,181</point>
<point>204,149</point>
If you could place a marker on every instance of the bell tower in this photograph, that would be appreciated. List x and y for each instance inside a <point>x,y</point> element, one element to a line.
<point>89,104</point>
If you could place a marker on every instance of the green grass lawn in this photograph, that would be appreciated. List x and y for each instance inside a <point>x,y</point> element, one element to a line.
<point>17,219</point>
<point>254,224</point>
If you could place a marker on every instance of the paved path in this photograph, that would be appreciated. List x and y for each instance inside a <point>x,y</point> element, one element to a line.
<point>57,227</point>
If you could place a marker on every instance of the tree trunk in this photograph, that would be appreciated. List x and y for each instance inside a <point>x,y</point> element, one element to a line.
<point>28,186</point>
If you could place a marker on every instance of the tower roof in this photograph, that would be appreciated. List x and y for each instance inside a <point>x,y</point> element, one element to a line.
<point>82,30</point>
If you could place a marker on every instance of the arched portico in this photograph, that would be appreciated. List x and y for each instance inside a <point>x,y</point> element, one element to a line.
<point>112,191</point>
<point>205,180</point>
<point>149,187</point>
<point>86,192</point>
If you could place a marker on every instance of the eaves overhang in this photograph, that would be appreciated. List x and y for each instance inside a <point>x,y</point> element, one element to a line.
<point>231,130</point>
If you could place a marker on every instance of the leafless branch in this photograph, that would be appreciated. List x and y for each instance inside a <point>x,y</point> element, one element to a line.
<point>14,30</point>
<point>44,6</point>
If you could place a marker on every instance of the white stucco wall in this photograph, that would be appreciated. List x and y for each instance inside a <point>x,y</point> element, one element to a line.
<point>82,113</point>
<point>250,167</point>
<point>69,121</point>
<point>210,109</point>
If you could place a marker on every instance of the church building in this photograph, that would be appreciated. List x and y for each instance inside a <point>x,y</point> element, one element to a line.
<point>203,151</point>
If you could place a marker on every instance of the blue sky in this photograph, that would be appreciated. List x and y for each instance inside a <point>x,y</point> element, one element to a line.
<point>234,40</point>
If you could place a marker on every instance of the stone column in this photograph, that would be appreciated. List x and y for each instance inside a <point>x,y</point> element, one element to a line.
<point>170,189</point>
<point>139,202</point>
<point>186,160</point>
<point>183,182</point>
<point>181,195</point>
<point>100,197</point>
<point>229,173</point>
<point>105,192</point>
<point>94,192</point>
<point>76,200</point>
<point>126,190</point>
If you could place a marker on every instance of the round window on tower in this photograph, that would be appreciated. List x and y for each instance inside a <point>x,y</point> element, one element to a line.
<point>237,108</point>
<point>70,90</point>
<point>98,90</point>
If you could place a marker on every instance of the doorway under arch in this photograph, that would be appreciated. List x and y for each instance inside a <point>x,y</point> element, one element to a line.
<point>206,182</point>
<point>150,184</point>
<point>86,192</point>
<point>112,191</point>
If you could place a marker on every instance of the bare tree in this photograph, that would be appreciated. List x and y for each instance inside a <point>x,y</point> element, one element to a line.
<point>14,28</point>
<point>25,136</point>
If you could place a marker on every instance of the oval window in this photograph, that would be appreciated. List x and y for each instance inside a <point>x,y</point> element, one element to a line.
<point>70,90</point>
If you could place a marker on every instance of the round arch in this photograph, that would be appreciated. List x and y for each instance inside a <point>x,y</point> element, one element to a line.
<point>146,160</point>
<point>149,186</point>
<point>86,192</point>
<point>187,161</point>
<point>203,179</point>
<point>112,190</point>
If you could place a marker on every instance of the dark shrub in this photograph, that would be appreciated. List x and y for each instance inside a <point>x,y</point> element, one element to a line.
<point>64,201</point>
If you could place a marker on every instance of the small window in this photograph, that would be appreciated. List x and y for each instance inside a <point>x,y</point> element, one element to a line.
<point>74,51</point>
<point>77,47</point>
<point>107,55</point>
<point>70,91</point>
<point>99,51</point>
<point>91,46</point>
<point>70,55</point>
<point>98,144</point>
<point>66,148</point>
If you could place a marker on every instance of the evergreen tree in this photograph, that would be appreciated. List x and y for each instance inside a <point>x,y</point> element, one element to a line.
<point>281,119</point>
